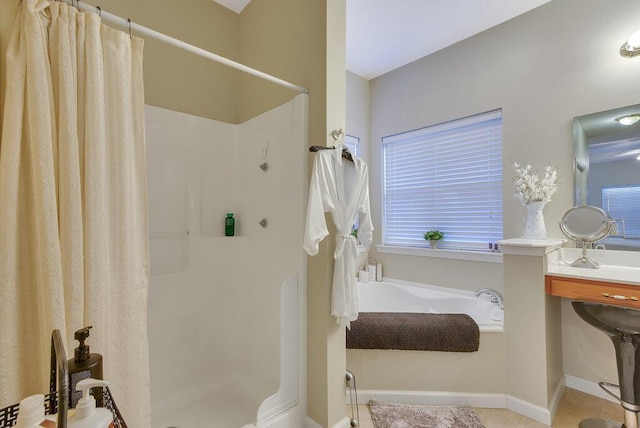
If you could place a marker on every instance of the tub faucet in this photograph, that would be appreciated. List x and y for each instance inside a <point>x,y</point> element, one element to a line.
<point>495,296</point>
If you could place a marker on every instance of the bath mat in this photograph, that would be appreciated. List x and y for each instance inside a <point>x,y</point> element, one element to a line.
<point>392,415</point>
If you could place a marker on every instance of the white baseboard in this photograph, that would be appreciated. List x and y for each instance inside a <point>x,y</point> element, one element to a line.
<point>435,398</point>
<point>555,398</point>
<point>587,387</point>
<point>343,423</point>
<point>310,423</point>
<point>530,410</point>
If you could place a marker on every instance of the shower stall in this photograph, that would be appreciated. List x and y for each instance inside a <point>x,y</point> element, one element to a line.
<point>225,314</point>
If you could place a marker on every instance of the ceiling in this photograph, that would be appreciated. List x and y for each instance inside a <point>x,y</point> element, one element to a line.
<point>383,35</point>
<point>234,5</point>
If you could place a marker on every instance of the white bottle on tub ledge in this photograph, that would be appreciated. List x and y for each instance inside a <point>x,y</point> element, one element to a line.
<point>31,413</point>
<point>87,415</point>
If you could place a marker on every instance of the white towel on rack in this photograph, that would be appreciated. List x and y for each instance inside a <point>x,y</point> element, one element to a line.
<point>341,188</point>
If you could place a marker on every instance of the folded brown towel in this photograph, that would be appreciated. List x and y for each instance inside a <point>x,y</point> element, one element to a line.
<point>413,331</point>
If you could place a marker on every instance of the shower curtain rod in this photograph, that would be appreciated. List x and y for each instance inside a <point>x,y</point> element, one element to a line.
<point>144,31</point>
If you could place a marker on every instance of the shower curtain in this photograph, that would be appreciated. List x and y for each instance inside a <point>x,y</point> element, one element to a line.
<point>73,205</point>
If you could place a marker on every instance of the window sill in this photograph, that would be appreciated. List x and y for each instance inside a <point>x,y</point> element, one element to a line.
<point>476,256</point>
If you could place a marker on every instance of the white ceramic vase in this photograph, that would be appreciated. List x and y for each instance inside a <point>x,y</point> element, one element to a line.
<point>535,228</point>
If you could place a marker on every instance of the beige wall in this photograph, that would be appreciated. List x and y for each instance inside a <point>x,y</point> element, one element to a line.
<point>464,275</point>
<point>475,372</point>
<point>174,79</point>
<point>179,80</point>
<point>587,353</point>
<point>286,39</point>
<point>542,68</point>
<point>553,337</point>
<point>358,112</point>
<point>533,338</point>
<point>357,125</point>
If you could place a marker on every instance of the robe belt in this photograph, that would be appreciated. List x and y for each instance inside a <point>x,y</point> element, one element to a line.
<point>345,243</point>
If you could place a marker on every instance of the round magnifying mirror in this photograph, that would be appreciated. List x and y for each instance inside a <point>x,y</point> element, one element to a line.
<point>586,223</point>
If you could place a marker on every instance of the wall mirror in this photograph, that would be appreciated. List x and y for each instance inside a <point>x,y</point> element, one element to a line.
<point>607,170</point>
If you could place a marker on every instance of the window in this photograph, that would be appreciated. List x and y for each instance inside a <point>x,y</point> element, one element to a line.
<point>351,143</point>
<point>446,177</point>
<point>622,202</point>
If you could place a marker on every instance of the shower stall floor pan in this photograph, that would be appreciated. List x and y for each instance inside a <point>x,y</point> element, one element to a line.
<point>222,409</point>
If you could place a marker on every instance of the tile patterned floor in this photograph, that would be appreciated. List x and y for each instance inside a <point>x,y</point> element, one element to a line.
<point>574,406</point>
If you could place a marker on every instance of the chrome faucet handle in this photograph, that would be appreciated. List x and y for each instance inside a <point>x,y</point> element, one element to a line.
<point>496,297</point>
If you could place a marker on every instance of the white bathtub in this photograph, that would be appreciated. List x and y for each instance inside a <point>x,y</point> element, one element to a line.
<point>437,378</point>
<point>393,295</point>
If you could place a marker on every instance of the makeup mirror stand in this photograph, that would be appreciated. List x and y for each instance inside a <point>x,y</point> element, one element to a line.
<point>586,224</point>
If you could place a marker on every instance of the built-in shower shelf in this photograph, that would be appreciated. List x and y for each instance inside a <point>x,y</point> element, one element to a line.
<point>219,236</point>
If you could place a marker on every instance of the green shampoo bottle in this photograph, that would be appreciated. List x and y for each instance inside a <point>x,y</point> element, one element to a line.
<point>229,225</point>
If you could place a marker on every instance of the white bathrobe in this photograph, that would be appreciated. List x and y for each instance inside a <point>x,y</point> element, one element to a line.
<point>340,187</point>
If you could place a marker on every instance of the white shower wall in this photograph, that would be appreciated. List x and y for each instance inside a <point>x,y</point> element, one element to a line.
<point>214,301</point>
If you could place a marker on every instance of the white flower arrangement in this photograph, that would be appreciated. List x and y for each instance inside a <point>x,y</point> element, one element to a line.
<point>530,188</point>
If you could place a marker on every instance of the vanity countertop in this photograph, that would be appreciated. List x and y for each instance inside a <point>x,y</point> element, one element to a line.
<point>621,267</point>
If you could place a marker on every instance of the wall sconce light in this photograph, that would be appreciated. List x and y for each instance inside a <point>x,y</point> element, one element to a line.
<point>628,120</point>
<point>632,46</point>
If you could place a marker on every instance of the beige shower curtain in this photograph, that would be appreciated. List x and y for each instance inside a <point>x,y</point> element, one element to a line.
<point>73,206</point>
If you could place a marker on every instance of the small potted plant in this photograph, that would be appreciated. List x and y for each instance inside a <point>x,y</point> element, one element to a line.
<point>433,236</point>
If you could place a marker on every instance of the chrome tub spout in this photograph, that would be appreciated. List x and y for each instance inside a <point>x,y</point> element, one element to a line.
<point>496,297</point>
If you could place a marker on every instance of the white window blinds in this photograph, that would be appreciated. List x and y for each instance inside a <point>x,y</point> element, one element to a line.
<point>351,143</point>
<point>622,204</point>
<point>446,177</point>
